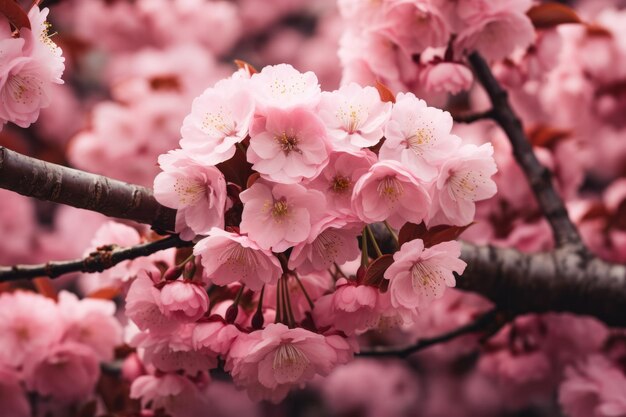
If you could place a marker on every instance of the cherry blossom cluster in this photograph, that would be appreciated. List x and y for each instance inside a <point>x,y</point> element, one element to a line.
<point>30,64</point>
<point>419,45</point>
<point>53,349</point>
<point>282,276</point>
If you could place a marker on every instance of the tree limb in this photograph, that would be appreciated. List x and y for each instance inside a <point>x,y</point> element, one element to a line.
<point>473,117</point>
<point>104,257</point>
<point>51,182</point>
<point>477,325</point>
<point>539,177</point>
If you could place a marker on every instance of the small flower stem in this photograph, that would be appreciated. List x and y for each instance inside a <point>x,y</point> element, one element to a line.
<point>373,239</point>
<point>189,258</point>
<point>364,255</point>
<point>241,148</point>
<point>311,304</point>
<point>339,271</point>
<point>394,235</point>
<point>279,296</point>
<point>287,301</point>
<point>259,306</point>
<point>238,296</point>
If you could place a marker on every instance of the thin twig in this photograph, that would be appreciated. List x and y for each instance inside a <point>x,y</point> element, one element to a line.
<point>479,324</point>
<point>104,258</point>
<point>473,117</point>
<point>539,177</point>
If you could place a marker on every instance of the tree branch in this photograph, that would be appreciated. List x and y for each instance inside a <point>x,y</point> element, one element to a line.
<point>539,177</point>
<point>473,117</point>
<point>477,325</point>
<point>104,257</point>
<point>35,178</point>
<point>562,280</point>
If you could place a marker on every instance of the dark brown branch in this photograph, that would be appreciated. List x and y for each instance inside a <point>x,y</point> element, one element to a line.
<point>473,117</point>
<point>558,281</point>
<point>475,326</point>
<point>539,177</point>
<point>562,280</point>
<point>45,181</point>
<point>104,258</point>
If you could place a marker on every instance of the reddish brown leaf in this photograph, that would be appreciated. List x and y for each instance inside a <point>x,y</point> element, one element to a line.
<point>15,14</point>
<point>376,270</point>
<point>44,287</point>
<point>411,231</point>
<point>252,179</point>
<point>245,66</point>
<point>106,293</point>
<point>432,236</point>
<point>385,93</point>
<point>596,30</point>
<point>547,136</point>
<point>549,15</point>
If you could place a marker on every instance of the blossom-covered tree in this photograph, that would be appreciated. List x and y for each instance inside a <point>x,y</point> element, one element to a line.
<point>412,208</point>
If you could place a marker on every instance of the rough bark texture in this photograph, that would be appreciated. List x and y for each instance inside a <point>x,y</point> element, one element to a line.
<point>45,181</point>
<point>539,177</point>
<point>561,281</point>
<point>104,258</point>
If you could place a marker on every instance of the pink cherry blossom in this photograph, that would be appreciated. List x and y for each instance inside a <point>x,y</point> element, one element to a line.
<point>354,116</point>
<point>419,275</point>
<point>351,308</point>
<point>29,325</point>
<point>418,136</point>
<point>288,146</point>
<point>230,257</point>
<point>448,77</point>
<point>49,372</point>
<point>335,242</point>
<point>183,301</point>
<point>220,118</point>
<point>271,361</point>
<point>13,401</point>
<point>90,322</point>
<point>463,179</point>
<point>198,192</point>
<point>495,29</point>
<point>282,86</point>
<point>390,192</point>
<point>280,216</point>
<point>174,393</point>
<point>214,336</point>
<point>594,388</point>
<point>337,180</point>
<point>143,306</point>
<point>416,25</point>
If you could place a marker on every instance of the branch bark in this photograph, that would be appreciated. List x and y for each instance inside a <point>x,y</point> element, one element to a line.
<point>35,178</point>
<point>539,177</point>
<point>104,258</point>
<point>474,326</point>
<point>562,280</point>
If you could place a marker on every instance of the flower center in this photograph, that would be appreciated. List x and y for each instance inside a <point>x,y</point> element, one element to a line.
<point>280,210</point>
<point>189,190</point>
<point>220,122</point>
<point>289,363</point>
<point>340,184</point>
<point>288,143</point>
<point>426,278</point>
<point>419,140</point>
<point>240,259</point>
<point>24,89</point>
<point>390,188</point>
<point>463,185</point>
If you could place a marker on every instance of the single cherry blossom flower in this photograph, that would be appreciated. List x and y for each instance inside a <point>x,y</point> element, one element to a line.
<point>183,301</point>
<point>446,77</point>
<point>174,393</point>
<point>354,116</point>
<point>288,146</point>
<point>282,86</point>
<point>337,180</point>
<point>214,336</point>
<point>271,361</point>
<point>390,192</point>
<point>230,257</point>
<point>418,136</point>
<point>419,275</point>
<point>280,216</point>
<point>143,306</point>
<point>198,192</point>
<point>463,179</point>
<point>220,118</point>
<point>334,242</point>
